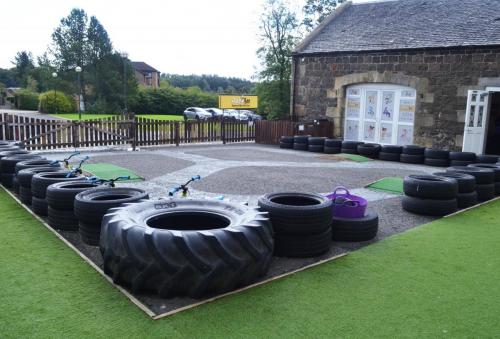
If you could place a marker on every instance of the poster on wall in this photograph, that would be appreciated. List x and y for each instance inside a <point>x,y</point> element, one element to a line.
<point>369,131</point>
<point>405,135</point>
<point>385,133</point>
<point>371,104</point>
<point>351,130</point>
<point>353,105</point>
<point>387,105</point>
<point>353,92</point>
<point>407,111</point>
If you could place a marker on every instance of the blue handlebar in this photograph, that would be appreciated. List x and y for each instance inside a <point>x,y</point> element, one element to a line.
<point>123,178</point>
<point>196,177</point>
<point>174,190</point>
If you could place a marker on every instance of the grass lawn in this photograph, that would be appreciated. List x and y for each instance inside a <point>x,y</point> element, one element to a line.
<point>439,280</point>
<point>74,116</point>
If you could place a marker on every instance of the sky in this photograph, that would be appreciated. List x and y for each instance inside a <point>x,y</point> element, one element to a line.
<point>182,37</point>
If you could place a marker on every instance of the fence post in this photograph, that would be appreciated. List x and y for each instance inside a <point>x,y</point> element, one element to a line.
<point>223,131</point>
<point>132,130</point>
<point>177,133</point>
<point>75,129</point>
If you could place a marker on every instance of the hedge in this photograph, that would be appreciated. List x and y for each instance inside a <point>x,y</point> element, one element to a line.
<point>56,102</point>
<point>25,99</point>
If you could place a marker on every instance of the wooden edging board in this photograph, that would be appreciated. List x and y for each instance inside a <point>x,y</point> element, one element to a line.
<point>137,302</point>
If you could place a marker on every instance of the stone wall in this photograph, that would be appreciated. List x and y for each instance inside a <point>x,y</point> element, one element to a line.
<point>441,78</point>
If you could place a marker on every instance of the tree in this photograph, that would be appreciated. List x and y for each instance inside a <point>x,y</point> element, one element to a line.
<point>23,62</point>
<point>69,41</point>
<point>315,11</point>
<point>279,34</point>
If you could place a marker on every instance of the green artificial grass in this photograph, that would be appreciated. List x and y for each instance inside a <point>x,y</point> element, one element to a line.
<point>389,184</point>
<point>354,157</point>
<point>74,116</point>
<point>438,280</point>
<point>110,171</point>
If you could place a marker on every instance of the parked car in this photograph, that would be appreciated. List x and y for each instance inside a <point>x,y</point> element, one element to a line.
<point>216,112</point>
<point>234,115</point>
<point>251,115</point>
<point>196,113</point>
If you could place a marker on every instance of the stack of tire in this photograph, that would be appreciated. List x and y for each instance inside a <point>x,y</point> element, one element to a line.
<point>467,195</point>
<point>8,168</point>
<point>61,201</point>
<point>286,142</point>
<point>485,180</point>
<point>369,150</point>
<point>10,152</point>
<point>24,178</point>
<point>496,171</point>
<point>316,144</point>
<point>332,146</point>
<point>91,206</point>
<point>39,184</point>
<point>412,154</point>
<point>390,153</point>
<point>436,157</point>
<point>355,229</point>
<point>430,195</point>
<point>300,142</point>
<point>301,223</point>
<point>462,158</point>
<point>350,147</point>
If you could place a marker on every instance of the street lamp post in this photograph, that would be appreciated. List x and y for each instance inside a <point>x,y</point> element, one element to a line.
<point>78,70</point>
<point>124,56</point>
<point>54,75</point>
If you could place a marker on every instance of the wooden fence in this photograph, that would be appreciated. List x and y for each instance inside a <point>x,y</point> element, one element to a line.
<point>270,132</point>
<point>44,134</point>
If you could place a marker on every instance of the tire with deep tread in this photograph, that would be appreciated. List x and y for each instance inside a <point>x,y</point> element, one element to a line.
<point>190,260</point>
<point>430,187</point>
<point>41,181</point>
<point>389,156</point>
<point>39,206</point>
<point>411,158</point>
<point>302,246</point>
<point>431,207</point>
<point>357,229</point>
<point>62,195</point>
<point>466,182</point>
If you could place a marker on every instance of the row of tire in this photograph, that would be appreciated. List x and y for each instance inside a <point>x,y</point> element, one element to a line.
<point>445,192</point>
<point>410,154</point>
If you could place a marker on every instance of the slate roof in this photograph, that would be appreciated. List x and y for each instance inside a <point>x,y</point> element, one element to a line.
<point>406,24</point>
<point>141,66</point>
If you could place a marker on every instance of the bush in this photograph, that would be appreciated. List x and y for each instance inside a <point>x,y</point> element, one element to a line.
<point>25,99</point>
<point>171,100</point>
<point>56,102</point>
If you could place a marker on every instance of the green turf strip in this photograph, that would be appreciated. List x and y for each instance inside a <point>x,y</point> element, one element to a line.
<point>439,280</point>
<point>389,184</point>
<point>354,157</point>
<point>109,171</point>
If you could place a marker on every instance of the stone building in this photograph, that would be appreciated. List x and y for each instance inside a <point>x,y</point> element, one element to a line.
<point>421,72</point>
<point>146,75</point>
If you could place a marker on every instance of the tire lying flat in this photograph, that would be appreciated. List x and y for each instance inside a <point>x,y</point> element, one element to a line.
<point>305,246</point>
<point>437,162</point>
<point>286,145</point>
<point>465,200</point>
<point>332,150</point>
<point>466,182</point>
<point>483,176</point>
<point>411,158</point>
<point>353,230</point>
<point>300,147</point>
<point>431,207</point>
<point>389,156</point>
<point>430,187</point>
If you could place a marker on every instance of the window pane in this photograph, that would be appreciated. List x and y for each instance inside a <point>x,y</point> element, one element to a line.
<point>352,110</point>
<point>387,105</point>
<point>405,135</point>
<point>480,117</point>
<point>471,117</point>
<point>351,130</point>
<point>406,110</point>
<point>386,133</point>
<point>369,131</point>
<point>371,104</point>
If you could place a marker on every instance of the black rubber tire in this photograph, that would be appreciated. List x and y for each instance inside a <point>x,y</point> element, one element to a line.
<point>26,175</point>
<point>316,148</point>
<point>495,168</point>
<point>39,206</point>
<point>465,200</point>
<point>287,139</point>
<point>8,164</point>
<point>389,156</point>
<point>349,151</point>
<point>351,145</point>
<point>286,145</point>
<point>391,149</point>
<point>430,187</point>
<point>436,154</point>
<point>316,141</point>
<point>91,205</point>
<point>41,181</point>
<point>333,143</point>
<point>35,163</point>
<point>191,260</point>
<point>483,176</point>
<point>369,149</point>
<point>461,163</point>
<point>463,156</point>
<point>7,179</point>
<point>411,158</point>
<point>466,182</point>
<point>12,152</point>
<point>437,162</point>
<point>301,139</point>
<point>487,159</point>
<point>302,246</point>
<point>88,234</point>
<point>497,188</point>
<point>413,150</point>
<point>295,213</point>
<point>485,192</point>
<point>357,229</point>
<point>25,195</point>
<point>300,147</point>
<point>15,185</point>
<point>62,220</point>
<point>429,206</point>
<point>62,195</point>
<point>331,150</point>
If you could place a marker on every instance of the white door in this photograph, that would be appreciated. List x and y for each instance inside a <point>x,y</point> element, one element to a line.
<point>475,121</point>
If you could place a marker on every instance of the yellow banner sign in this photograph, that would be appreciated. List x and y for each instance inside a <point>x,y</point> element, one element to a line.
<point>238,101</point>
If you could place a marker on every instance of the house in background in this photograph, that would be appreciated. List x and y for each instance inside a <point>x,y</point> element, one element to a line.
<point>146,75</point>
<point>403,72</point>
